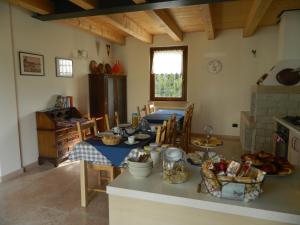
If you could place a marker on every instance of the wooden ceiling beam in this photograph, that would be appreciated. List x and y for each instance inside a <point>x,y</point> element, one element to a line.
<point>257,12</point>
<point>86,4</point>
<point>121,8</point>
<point>207,21</point>
<point>92,26</point>
<point>163,17</point>
<point>42,7</point>
<point>121,22</point>
<point>45,7</point>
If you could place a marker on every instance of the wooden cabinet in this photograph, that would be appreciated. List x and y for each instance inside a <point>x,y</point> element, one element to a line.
<point>108,95</point>
<point>57,133</point>
<point>294,148</point>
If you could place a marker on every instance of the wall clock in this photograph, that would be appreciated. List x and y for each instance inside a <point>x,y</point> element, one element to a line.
<point>214,66</point>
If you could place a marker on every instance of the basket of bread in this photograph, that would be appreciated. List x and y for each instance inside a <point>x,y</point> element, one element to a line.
<point>269,163</point>
<point>232,180</point>
<point>111,139</point>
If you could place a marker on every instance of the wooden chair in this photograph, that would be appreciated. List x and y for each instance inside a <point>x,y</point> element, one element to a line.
<point>171,130</point>
<point>86,191</point>
<point>150,108</point>
<point>116,120</point>
<point>86,130</point>
<point>161,133</point>
<point>142,111</point>
<point>184,136</point>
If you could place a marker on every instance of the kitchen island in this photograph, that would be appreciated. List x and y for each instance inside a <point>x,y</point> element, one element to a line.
<point>152,201</point>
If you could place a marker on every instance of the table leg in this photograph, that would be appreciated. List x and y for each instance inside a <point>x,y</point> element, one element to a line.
<point>83,183</point>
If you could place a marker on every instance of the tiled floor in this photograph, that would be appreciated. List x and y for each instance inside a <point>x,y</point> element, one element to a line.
<point>47,195</point>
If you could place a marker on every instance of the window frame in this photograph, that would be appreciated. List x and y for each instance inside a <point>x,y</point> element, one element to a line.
<point>184,73</point>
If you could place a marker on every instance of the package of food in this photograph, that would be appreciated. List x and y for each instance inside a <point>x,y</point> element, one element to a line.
<point>245,169</point>
<point>233,168</point>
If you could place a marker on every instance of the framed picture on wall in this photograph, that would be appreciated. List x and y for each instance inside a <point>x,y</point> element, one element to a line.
<point>31,64</point>
<point>64,67</point>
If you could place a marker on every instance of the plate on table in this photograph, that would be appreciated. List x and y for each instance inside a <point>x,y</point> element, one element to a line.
<point>127,143</point>
<point>124,125</point>
<point>142,136</point>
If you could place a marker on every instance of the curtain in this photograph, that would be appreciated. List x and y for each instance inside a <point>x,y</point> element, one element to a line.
<point>167,62</point>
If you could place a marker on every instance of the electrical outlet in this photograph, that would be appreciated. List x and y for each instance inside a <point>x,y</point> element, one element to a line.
<point>235,125</point>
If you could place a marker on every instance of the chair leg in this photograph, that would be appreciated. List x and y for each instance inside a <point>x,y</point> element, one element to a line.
<point>112,174</point>
<point>83,183</point>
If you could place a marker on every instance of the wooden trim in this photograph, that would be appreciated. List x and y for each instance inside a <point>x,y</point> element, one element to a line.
<point>184,73</point>
<point>257,12</point>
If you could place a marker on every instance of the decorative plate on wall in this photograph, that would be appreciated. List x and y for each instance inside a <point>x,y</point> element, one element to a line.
<point>214,66</point>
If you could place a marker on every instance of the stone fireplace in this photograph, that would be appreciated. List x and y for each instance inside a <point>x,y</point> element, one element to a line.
<point>272,99</point>
<point>257,125</point>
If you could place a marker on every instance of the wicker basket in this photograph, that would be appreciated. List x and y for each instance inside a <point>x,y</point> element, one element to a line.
<point>111,140</point>
<point>232,189</point>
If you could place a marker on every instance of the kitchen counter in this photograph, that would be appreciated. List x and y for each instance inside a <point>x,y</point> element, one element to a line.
<point>287,124</point>
<point>279,204</point>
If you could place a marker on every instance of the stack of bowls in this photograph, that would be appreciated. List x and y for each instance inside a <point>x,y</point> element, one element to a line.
<point>140,169</point>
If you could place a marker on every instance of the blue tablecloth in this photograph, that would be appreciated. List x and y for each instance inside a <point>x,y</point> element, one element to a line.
<point>161,115</point>
<point>116,153</point>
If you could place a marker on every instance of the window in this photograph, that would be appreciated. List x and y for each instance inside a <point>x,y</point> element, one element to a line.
<point>64,67</point>
<point>168,68</point>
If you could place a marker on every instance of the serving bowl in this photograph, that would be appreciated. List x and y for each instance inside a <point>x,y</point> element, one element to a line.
<point>140,169</point>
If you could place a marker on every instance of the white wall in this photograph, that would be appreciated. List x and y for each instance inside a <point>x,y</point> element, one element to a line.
<point>218,98</point>
<point>9,144</point>
<point>37,93</point>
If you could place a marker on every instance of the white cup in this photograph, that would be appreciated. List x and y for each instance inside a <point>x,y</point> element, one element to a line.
<point>153,128</point>
<point>131,139</point>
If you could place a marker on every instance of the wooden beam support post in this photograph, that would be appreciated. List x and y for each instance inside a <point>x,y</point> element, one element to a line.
<point>163,16</point>
<point>257,12</point>
<point>121,22</point>
<point>207,21</point>
<point>45,7</point>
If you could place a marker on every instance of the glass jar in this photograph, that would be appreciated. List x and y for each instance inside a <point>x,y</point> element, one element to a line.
<point>135,120</point>
<point>174,166</point>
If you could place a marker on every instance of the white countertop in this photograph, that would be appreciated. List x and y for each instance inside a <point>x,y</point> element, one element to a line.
<point>287,124</point>
<point>280,201</point>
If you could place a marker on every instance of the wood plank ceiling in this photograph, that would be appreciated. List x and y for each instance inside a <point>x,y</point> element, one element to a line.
<point>249,15</point>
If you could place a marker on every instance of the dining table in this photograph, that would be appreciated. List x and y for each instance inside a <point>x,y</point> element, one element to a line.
<point>159,116</point>
<point>93,153</point>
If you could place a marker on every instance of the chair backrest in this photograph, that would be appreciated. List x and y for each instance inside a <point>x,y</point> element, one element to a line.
<point>87,129</point>
<point>142,111</point>
<point>171,130</point>
<point>187,126</point>
<point>161,133</point>
<point>116,120</point>
<point>150,108</point>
